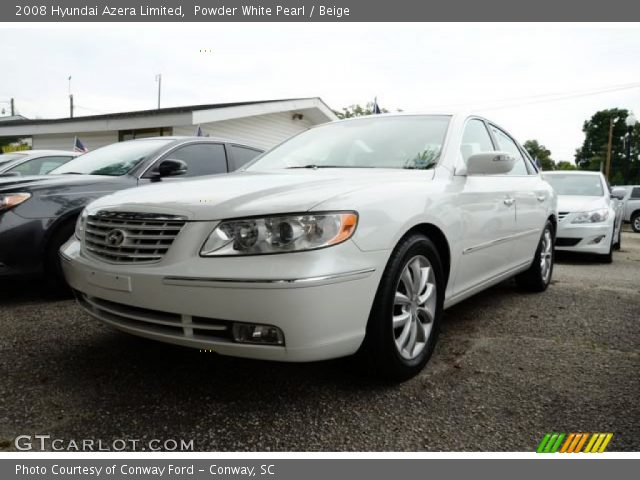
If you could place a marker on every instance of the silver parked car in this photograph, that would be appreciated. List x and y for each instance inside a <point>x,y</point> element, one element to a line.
<point>632,206</point>
<point>33,162</point>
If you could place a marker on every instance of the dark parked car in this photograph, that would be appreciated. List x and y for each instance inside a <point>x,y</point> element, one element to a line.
<point>38,213</point>
<point>33,162</point>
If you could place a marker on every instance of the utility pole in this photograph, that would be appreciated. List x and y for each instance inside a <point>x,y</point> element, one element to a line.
<point>70,99</point>
<point>159,80</point>
<point>13,108</point>
<point>609,146</point>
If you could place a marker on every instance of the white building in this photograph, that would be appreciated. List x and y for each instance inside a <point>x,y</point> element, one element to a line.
<point>259,123</point>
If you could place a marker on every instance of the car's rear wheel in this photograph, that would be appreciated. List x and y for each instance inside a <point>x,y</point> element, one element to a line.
<point>635,222</point>
<point>538,276</point>
<point>404,321</point>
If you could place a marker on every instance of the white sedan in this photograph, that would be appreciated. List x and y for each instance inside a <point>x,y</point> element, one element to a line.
<point>590,217</point>
<point>352,236</point>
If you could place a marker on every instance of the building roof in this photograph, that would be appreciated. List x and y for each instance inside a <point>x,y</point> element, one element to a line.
<point>144,113</point>
<point>313,107</point>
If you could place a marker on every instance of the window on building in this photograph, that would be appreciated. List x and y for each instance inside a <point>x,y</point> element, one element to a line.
<point>124,135</point>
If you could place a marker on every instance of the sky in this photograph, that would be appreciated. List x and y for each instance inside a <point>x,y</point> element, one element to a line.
<point>538,81</point>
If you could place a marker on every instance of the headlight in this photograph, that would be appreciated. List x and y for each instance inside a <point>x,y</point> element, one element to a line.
<point>10,200</point>
<point>592,217</point>
<point>280,234</point>
<point>80,224</point>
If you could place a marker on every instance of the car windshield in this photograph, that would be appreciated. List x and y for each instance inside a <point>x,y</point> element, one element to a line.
<point>410,142</point>
<point>113,160</point>
<point>8,157</point>
<point>568,184</point>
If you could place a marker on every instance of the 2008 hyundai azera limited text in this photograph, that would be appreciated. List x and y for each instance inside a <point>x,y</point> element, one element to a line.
<point>352,236</point>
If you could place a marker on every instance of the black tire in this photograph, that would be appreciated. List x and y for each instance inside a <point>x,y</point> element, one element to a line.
<point>379,345</point>
<point>608,257</point>
<point>535,279</point>
<point>53,275</point>
<point>618,245</point>
<point>635,222</point>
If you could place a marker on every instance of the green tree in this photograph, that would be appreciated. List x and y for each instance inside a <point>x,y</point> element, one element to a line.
<point>357,111</point>
<point>541,153</point>
<point>564,165</point>
<point>593,152</point>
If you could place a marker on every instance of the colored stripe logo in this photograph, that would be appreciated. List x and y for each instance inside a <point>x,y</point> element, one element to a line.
<point>574,443</point>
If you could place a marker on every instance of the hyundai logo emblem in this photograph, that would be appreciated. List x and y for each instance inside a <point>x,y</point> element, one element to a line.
<point>115,238</point>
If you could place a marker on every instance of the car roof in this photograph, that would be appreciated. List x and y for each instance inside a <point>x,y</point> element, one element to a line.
<point>179,138</point>
<point>571,172</point>
<point>31,153</point>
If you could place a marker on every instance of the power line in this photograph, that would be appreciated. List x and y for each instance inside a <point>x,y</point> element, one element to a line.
<point>543,98</point>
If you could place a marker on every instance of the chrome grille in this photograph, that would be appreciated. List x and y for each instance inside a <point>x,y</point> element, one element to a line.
<point>561,215</point>
<point>124,237</point>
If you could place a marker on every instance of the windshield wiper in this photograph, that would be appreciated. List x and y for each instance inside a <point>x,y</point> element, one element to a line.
<point>70,173</point>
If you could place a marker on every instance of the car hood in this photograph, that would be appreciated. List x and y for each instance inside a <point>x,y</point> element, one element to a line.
<point>43,182</point>
<point>580,203</point>
<point>242,194</point>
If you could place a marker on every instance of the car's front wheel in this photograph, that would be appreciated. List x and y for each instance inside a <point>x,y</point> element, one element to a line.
<point>538,276</point>
<point>404,321</point>
<point>635,222</point>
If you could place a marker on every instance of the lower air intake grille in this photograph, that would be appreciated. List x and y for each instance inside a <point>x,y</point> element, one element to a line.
<point>567,242</point>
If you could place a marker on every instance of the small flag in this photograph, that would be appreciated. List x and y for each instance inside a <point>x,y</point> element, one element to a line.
<point>199,132</point>
<point>376,108</point>
<point>78,146</point>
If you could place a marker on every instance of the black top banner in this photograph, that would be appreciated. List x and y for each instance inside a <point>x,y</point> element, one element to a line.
<point>319,11</point>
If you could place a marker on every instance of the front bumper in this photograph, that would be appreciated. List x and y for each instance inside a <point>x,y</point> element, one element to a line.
<point>320,299</point>
<point>584,238</point>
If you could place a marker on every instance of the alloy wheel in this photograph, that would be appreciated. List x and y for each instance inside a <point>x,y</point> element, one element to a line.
<point>414,307</point>
<point>636,224</point>
<point>546,253</point>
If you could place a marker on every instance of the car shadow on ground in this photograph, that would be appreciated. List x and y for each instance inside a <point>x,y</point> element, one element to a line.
<point>573,258</point>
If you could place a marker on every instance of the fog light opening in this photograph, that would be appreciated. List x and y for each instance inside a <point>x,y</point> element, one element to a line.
<point>598,239</point>
<point>257,334</point>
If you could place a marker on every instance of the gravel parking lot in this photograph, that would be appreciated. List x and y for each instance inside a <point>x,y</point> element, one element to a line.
<point>509,367</point>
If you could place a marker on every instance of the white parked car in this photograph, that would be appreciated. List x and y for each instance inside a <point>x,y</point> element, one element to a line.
<point>590,216</point>
<point>354,235</point>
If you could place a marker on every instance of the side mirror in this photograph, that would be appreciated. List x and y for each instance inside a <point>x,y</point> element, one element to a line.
<point>11,174</point>
<point>618,193</point>
<point>490,163</point>
<point>172,167</point>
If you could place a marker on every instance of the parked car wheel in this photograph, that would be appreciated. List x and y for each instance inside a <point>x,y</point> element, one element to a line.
<point>635,222</point>
<point>618,244</point>
<point>405,318</point>
<point>608,257</point>
<point>538,277</point>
